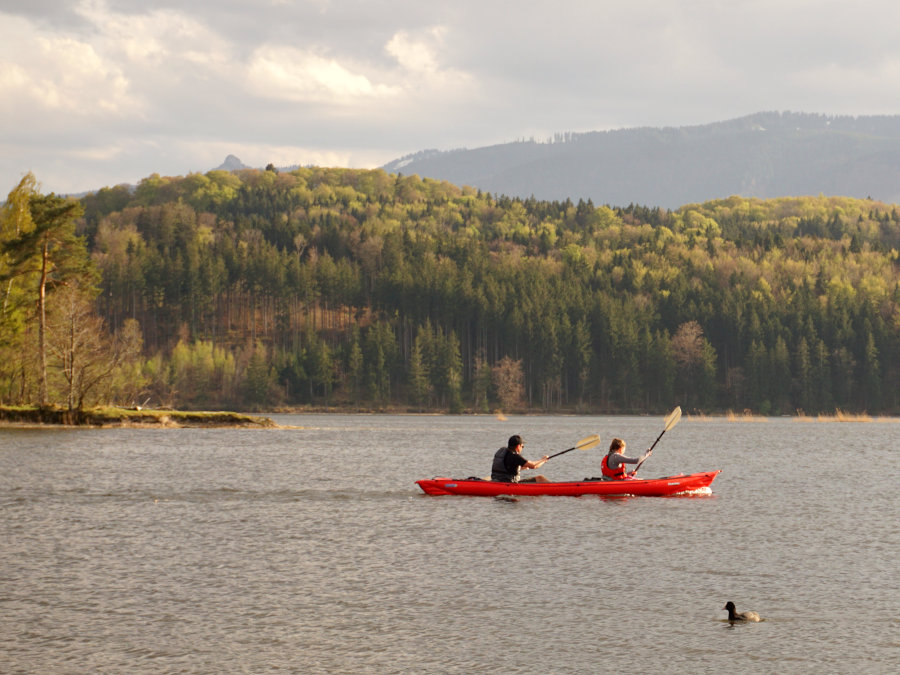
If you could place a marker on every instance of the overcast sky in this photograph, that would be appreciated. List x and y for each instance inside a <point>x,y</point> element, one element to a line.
<point>101,92</point>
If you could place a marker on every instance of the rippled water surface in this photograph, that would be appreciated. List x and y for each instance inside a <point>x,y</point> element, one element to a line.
<point>311,550</point>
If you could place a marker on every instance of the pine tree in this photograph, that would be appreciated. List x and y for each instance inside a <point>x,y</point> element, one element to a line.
<point>419,384</point>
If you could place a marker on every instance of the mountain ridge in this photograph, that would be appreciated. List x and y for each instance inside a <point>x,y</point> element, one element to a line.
<point>764,155</point>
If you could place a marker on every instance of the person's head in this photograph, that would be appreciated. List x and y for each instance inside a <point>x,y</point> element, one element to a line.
<point>617,445</point>
<point>515,443</point>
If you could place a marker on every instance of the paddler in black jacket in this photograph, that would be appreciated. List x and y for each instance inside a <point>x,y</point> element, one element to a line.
<point>508,461</point>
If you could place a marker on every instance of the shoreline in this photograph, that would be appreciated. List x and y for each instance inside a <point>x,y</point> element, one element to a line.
<point>128,418</point>
<point>32,417</point>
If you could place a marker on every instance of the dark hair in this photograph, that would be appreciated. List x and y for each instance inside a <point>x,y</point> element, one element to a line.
<point>514,441</point>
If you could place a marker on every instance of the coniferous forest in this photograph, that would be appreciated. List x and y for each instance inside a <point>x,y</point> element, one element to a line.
<point>363,290</point>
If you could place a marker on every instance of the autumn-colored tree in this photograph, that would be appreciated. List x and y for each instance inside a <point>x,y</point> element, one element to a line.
<point>509,382</point>
<point>80,347</point>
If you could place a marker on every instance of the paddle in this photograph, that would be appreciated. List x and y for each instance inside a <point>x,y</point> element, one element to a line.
<point>671,420</point>
<point>583,444</point>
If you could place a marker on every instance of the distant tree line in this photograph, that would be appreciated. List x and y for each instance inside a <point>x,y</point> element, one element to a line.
<point>357,288</point>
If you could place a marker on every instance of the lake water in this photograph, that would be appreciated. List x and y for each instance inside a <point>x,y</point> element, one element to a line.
<point>311,550</point>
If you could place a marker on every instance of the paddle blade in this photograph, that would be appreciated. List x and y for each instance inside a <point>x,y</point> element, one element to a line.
<point>583,444</point>
<point>588,443</point>
<point>673,418</point>
<point>670,421</point>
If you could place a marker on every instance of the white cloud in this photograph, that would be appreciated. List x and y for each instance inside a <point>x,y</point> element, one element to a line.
<point>282,72</point>
<point>53,73</point>
<point>155,37</point>
<point>416,55</point>
<point>425,77</point>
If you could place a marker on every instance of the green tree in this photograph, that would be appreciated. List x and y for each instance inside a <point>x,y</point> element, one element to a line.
<point>321,365</point>
<point>481,384</point>
<point>583,297</point>
<point>381,353</point>
<point>355,364</point>
<point>128,384</point>
<point>42,252</point>
<point>448,372</point>
<point>803,376</point>
<point>662,371</point>
<point>780,383</point>
<point>16,271</point>
<point>871,379</point>
<point>843,368</point>
<point>821,378</point>
<point>419,383</point>
<point>757,372</point>
<point>696,361</point>
<point>258,378</point>
<point>580,358</point>
<point>61,255</point>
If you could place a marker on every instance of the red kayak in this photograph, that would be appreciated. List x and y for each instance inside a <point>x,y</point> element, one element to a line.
<point>650,487</point>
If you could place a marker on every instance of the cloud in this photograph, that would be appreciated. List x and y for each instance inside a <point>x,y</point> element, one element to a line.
<point>58,74</point>
<point>156,38</point>
<point>307,75</point>
<point>415,54</point>
<point>424,72</point>
<point>97,92</point>
<point>293,74</point>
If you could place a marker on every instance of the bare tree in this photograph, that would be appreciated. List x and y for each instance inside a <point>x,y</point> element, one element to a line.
<point>80,345</point>
<point>687,344</point>
<point>509,381</point>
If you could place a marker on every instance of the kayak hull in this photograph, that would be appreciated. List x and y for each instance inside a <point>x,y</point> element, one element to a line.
<point>651,487</point>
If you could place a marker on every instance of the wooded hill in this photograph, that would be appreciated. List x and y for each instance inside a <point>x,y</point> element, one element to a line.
<point>763,155</point>
<point>257,289</point>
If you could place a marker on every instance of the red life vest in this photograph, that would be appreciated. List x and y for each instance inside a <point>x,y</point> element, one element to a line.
<point>615,474</point>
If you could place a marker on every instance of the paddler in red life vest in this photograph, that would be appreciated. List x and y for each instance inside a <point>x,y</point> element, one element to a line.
<point>508,461</point>
<point>613,464</point>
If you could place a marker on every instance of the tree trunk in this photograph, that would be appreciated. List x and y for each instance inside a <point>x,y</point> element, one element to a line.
<point>42,348</point>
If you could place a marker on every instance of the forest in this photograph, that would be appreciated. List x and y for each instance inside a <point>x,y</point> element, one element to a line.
<point>328,288</point>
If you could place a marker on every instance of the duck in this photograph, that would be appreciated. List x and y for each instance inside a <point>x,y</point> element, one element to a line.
<point>740,616</point>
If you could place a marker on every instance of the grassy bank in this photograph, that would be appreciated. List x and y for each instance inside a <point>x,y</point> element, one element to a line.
<point>127,417</point>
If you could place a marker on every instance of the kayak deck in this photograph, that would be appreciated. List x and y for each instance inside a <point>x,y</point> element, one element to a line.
<point>651,487</point>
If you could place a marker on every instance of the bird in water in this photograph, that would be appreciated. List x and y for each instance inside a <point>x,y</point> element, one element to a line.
<point>740,616</point>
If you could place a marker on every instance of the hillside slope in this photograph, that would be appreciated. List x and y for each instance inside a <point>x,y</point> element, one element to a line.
<point>764,155</point>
